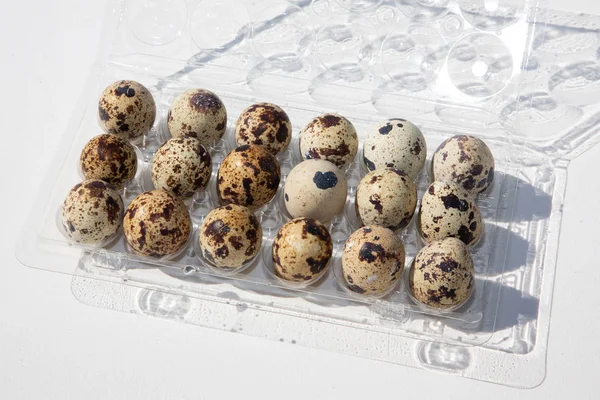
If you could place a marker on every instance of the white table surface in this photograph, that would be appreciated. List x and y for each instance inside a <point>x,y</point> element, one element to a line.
<point>51,346</point>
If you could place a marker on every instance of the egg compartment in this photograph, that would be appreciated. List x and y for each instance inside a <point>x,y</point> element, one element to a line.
<point>530,101</point>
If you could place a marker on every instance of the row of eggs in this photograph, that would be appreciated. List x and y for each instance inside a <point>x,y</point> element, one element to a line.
<point>157,223</point>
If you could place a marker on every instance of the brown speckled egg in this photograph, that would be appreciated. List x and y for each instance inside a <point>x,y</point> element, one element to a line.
<point>315,189</point>
<point>181,166</point>
<point>157,224</point>
<point>264,124</point>
<point>442,275</point>
<point>386,197</point>
<point>249,176</point>
<point>395,143</point>
<point>92,212</point>
<point>198,113</point>
<point>330,137</point>
<point>230,236</point>
<point>448,211</point>
<point>465,160</point>
<point>373,260</point>
<point>109,158</point>
<point>126,109</point>
<point>301,250</point>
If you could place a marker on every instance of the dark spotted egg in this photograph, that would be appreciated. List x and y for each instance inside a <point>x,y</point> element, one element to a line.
<point>157,224</point>
<point>449,211</point>
<point>181,166</point>
<point>126,109</point>
<point>395,143</point>
<point>109,158</point>
<point>248,176</point>
<point>230,236</point>
<point>330,137</point>
<point>198,113</point>
<point>315,189</point>
<point>373,260</point>
<point>92,212</point>
<point>302,250</point>
<point>442,275</point>
<point>264,124</point>
<point>386,197</point>
<point>465,160</point>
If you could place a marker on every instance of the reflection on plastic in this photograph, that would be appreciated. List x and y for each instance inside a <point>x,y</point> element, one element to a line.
<point>164,305</point>
<point>443,357</point>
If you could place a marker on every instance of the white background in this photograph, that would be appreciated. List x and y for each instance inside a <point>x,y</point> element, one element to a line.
<point>51,346</point>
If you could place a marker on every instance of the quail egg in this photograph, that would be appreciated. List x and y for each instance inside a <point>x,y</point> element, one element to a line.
<point>395,143</point>
<point>92,212</point>
<point>372,260</point>
<point>230,236</point>
<point>301,250</point>
<point>126,109</point>
<point>330,137</point>
<point>181,166</point>
<point>442,275</point>
<point>386,197</point>
<point>315,189</point>
<point>108,158</point>
<point>157,224</point>
<point>465,160</point>
<point>264,124</point>
<point>248,176</point>
<point>448,211</point>
<point>198,113</point>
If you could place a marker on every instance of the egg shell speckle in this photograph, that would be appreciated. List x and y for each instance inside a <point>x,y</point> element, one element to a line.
<point>156,224</point>
<point>330,137</point>
<point>302,250</point>
<point>373,260</point>
<point>126,109</point>
<point>108,158</point>
<point>315,189</point>
<point>395,143</point>
<point>448,211</point>
<point>230,236</point>
<point>92,212</point>
<point>198,113</point>
<point>465,160</point>
<point>264,124</point>
<point>181,166</point>
<point>442,275</point>
<point>386,197</point>
<point>248,176</point>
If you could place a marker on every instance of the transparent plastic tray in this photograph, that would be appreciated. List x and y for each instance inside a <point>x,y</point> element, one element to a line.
<point>523,78</point>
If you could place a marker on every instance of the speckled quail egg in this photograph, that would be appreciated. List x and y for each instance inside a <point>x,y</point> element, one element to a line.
<point>157,224</point>
<point>386,197</point>
<point>302,250</point>
<point>465,160</point>
<point>264,124</point>
<point>92,212</point>
<point>395,143</point>
<point>181,166</point>
<point>449,211</point>
<point>330,137</point>
<point>109,158</point>
<point>442,275</point>
<point>372,260</point>
<point>315,189</point>
<point>126,109</point>
<point>198,113</point>
<point>248,176</point>
<point>230,236</point>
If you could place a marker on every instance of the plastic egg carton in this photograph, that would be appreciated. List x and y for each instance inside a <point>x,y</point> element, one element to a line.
<point>523,78</point>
